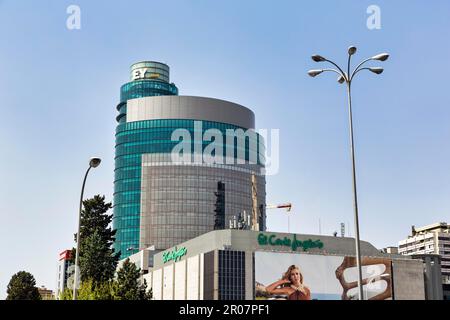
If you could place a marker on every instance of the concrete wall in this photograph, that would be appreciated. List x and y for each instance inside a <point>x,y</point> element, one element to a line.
<point>140,259</point>
<point>409,281</point>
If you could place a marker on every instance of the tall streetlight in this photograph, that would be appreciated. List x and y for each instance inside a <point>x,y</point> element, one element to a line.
<point>348,78</point>
<point>93,163</point>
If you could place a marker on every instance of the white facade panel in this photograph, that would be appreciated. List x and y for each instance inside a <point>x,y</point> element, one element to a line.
<point>168,283</point>
<point>193,274</point>
<point>140,110</point>
<point>157,106</point>
<point>157,284</point>
<point>180,280</point>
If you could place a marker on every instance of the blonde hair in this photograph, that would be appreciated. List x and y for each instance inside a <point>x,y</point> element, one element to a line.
<point>287,274</point>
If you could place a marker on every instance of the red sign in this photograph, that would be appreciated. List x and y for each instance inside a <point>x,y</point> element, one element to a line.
<point>65,255</point>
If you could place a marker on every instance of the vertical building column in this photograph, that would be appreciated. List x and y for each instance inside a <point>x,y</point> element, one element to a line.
<point>201,276</point>
<point>249,276</point>
<point>436,243</point>
<point>216,274</point>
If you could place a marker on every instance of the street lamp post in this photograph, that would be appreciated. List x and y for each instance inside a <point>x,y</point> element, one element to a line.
<point>93,163</point>
<point>347,77</point>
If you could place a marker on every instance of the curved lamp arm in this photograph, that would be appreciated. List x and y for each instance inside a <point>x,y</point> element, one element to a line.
<point>342,73</point>
<point>335,71</point>
<point>357,69</point>
<point>376,70</point>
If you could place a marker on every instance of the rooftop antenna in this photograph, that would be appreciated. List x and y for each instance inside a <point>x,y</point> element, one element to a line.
<point>241,221</point>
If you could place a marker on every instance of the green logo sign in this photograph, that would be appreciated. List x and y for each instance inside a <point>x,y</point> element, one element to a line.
<point>174,255</point>
<point>264,240</point>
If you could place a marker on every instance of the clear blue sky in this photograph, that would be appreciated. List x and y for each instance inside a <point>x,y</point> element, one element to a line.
<point>59,89</point>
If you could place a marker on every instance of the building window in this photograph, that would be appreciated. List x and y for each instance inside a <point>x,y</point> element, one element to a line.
<point>231,275</point>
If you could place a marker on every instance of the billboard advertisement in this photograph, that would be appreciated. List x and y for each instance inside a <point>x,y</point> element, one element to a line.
<point>288,276</point>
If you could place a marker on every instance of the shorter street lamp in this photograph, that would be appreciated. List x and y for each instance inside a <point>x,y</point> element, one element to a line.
<point>93,163</point>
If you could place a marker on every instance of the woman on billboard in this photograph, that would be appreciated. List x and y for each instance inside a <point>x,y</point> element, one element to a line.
<point>291,285</point>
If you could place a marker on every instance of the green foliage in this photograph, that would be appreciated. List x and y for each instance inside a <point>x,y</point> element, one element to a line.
<point>22,286</point>
<point>128,286</point>
<point>97,258</point>
<point>67,294</point>
<point>125,289</point>
<point>96,261</point>
<point>90,290</point>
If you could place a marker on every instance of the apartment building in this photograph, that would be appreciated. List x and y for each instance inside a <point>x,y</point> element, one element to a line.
<point>431,239</point>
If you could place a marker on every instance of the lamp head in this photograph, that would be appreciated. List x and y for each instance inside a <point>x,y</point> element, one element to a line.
<point>95,162</point>
<point>340,79</point>
<point>381,57</point>
<point>315,72</point>
<point>351,50</point>
<point>377,70</point>
<point>318,58</point>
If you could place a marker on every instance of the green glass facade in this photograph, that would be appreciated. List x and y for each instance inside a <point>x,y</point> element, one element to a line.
<point>131,143</point>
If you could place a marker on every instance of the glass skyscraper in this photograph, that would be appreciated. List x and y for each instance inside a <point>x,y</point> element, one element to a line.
<point>161,202</point>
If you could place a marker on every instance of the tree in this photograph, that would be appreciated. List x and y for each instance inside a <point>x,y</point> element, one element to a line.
<point>97,258</point>
<point>22,286</point>
<point>128,284</point>
<point>96,262</point>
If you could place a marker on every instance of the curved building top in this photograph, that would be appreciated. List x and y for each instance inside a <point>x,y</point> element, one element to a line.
<point>189,107</point>
<point>151,70</point>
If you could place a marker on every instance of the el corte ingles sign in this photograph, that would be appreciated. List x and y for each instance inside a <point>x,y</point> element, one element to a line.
<point>263,240</point>
<point>293,243</point>
<point>174,255</point>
